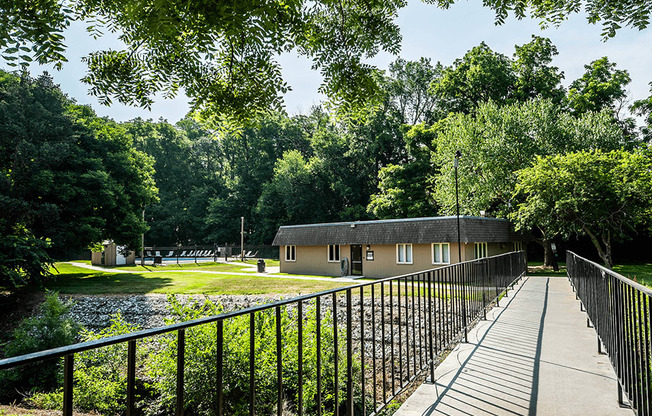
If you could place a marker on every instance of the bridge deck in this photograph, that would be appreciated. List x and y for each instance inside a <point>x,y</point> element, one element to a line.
<point>533,356</point>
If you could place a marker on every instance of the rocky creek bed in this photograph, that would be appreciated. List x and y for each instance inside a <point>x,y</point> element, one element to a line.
<point>150,311</point>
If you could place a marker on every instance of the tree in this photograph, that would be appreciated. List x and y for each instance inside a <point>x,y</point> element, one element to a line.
<point>613,14</point>
<point>481,75</point>
<point>604,195</point>
<point>601,87</point>
<point>535,77</point>
<point>643,108</point>
<point>224,56</point>
<point>499,141</point>
<point>68,178</point>
<point>408,89</point>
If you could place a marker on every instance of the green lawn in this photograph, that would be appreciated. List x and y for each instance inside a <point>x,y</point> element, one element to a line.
<point>268,262</point>
<point>639,272</point>
<point>212,266</point>
<point>535,268</point>
<point>77,280</point>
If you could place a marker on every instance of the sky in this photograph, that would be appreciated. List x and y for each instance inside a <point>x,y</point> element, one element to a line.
<point>441,35</point>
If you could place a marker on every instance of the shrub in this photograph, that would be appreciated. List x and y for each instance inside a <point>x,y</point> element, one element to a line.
<point>100,378</point>
<point>50,328</point>
<point>200,393</point>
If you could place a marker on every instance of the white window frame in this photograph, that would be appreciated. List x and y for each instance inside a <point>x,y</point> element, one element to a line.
<point>338,253</point>
<point>289,252</point>
<point>402,248</point>
<point>439,247</point>
<point>480,250</point>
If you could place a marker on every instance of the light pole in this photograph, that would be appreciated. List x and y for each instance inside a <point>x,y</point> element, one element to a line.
<point>458,155</point>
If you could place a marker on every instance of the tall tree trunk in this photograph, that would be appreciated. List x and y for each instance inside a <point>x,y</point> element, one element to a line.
<point>548,255</point>
<point>604,253</point>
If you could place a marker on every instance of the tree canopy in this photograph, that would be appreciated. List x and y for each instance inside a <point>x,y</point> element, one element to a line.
<point>68,178</point>
<point>225,55</point>
<point>603,195</point>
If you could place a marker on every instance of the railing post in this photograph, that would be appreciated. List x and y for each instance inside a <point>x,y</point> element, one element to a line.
<point>484,272</point>
<point>181,346</point>
<point>430,334</point>
<point>220,362</point>
<point>68,368</point>
<point>300,357</point>
<point>464,305</point>
<point>131,378</point>
<point>349,354</point>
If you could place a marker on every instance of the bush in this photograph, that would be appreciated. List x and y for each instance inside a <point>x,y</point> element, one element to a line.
<point>200,395</point>
<point>100,378</point>
<point>51,328</point>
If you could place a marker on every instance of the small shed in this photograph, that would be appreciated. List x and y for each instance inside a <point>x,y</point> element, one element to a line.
<point>113,255</point>
<point>394,247</point>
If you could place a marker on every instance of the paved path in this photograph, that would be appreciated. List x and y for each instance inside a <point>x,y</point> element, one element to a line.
<point>533,356</point>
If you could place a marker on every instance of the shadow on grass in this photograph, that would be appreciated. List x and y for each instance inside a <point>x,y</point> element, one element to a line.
<point>107,283</point>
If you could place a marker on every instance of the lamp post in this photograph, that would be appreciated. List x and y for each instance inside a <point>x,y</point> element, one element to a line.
<point>458,155</point>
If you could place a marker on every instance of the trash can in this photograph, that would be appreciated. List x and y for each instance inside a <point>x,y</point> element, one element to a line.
<point>261,266</point>
<point>158,260</point>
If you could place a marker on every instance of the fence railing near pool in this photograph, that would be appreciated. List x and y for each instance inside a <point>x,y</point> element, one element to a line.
<point>619,309</point>
<point>214,252</point>
<point>359,346</point>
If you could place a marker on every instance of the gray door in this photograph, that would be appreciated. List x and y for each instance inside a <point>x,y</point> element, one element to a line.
<point>356,259</point>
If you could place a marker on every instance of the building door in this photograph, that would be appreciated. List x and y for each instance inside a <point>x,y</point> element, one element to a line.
<point>356,259</point>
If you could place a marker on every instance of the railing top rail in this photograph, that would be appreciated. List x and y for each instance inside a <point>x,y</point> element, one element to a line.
<point>117,339</point>
<point>618,276</point>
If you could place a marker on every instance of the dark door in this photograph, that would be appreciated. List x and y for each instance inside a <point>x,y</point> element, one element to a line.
<point>356,259</point>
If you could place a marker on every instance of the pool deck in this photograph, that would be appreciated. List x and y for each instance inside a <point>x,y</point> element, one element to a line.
<point>534,355</point>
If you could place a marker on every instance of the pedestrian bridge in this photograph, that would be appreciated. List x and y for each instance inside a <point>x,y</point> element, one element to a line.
<point>491,341</point>
<point>534,355</point>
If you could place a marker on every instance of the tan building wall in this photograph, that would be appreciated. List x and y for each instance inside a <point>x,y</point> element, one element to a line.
<point>313,260</point>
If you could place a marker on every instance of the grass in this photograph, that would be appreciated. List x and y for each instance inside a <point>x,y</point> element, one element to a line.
<point>535,268</point>
<point>210,266</point>
<point>268,262</point>
<point>78,280</point>
<point>638,272</point>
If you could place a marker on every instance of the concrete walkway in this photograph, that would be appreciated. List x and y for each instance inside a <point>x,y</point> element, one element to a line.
<point>533,356</point>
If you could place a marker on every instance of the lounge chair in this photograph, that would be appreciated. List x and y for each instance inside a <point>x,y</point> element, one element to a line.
<point>170,254</point>
<point>183,253</point>
<point>249,255</point>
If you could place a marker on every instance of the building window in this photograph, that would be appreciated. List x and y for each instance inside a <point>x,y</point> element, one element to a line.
<point>333,253</point>
<point>290,253</point>
<point>404,253</point>
<point>480,250</point>
<point>441,253</point>
<point>518,245</point>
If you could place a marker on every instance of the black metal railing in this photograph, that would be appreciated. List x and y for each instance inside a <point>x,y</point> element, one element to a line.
<point>619,309</point>
<point>381,337</point>
<point>215,252</point>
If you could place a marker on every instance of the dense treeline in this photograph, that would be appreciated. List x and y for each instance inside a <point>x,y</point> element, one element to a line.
<point>71,179</point>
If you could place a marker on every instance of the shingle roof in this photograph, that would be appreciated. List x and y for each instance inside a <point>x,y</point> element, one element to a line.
<point>410,230</point>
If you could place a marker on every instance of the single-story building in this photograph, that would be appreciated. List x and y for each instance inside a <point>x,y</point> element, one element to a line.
<point>386,248</point>
<point>112,255</point>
